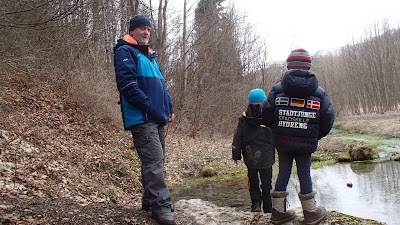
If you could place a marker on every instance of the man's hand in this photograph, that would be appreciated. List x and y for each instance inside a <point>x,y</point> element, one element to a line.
<point>171,117</point>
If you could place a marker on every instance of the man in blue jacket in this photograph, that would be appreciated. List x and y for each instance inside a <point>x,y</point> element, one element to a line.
<point>300,113</point>
<point>146,108</point>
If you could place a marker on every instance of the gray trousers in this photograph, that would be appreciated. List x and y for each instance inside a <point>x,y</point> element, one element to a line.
<point>149,142</point>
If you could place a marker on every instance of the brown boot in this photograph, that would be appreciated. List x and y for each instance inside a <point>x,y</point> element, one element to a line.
<point>279,213</point>
<point>312,214</point>
<point>256,207</point>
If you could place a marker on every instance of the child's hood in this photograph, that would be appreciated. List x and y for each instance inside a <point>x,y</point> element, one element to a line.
<point>252,121</point>
<point>299,83</point>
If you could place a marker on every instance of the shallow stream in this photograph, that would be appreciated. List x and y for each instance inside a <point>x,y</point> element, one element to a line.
<point>366,190</point>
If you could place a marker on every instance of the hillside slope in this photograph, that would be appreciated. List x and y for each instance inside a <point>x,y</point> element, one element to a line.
<point>59,162</point>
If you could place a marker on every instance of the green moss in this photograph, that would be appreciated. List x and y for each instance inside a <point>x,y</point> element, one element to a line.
<point>319,164</point>
<point>217,172</point>
<point>221,172</point>
<point>344,157</point>
<point>225,172</point>
<point>369,139</point>
<point>340,218</point>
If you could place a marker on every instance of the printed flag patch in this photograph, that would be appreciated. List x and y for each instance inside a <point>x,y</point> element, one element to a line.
<point>297,102</point>
<point>282,101</point>
<point>313,104</point>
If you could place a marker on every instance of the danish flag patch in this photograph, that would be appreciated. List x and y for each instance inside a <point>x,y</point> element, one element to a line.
<point>313,104</point>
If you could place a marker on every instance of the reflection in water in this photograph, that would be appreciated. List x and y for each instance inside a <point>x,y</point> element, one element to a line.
<point>375,193</point>
<point>360,168</point>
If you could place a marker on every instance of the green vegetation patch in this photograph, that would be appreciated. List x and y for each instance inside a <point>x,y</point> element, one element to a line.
<point>340,218</point>
<point>216,172</point>
<point>372,140</point>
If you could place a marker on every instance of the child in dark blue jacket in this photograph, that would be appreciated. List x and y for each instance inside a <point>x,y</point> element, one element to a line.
<point>253,141</point>
<point>299,113</point>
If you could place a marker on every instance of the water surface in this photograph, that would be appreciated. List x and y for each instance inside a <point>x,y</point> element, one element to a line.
<point>374,193</point>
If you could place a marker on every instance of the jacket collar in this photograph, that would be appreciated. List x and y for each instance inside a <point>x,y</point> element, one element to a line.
<point>128,38</point>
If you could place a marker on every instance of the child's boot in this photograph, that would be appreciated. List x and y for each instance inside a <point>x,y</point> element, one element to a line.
<point>256,207</point>
<point>279,213</point>
<point>312,214</point>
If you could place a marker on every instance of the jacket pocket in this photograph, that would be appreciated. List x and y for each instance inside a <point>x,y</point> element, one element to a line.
<point>149,148</point>
<point>140,141</point>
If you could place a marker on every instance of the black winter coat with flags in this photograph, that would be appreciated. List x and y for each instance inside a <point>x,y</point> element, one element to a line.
<point>299,112</point>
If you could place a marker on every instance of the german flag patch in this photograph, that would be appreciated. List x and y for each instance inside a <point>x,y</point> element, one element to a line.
<point>297,102</point>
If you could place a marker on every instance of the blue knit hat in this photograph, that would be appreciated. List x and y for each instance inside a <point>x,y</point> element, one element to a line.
<point>138,21</point>
<point>256,96</point>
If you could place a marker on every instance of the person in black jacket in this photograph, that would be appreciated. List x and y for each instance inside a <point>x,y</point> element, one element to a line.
<point>253,141</point>
<point>299,113</point>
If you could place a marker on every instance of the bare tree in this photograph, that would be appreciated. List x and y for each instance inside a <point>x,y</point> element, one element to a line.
<point>362,76</point>
<point>210,62</point>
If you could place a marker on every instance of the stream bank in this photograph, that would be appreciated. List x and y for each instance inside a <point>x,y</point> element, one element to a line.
<point>206,213</point>
<point>328,149</point>
<point>350,188</point>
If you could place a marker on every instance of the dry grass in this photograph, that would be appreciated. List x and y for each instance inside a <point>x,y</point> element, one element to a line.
<point>187,157</point>
<point>382,125</point>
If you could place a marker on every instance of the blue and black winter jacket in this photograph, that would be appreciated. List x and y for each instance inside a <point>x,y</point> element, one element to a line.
<point>143,93</point>
<point>298,111</point>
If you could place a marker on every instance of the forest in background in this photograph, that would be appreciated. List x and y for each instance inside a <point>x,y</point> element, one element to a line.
<point>64,157</point>
<point>210,56</point>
